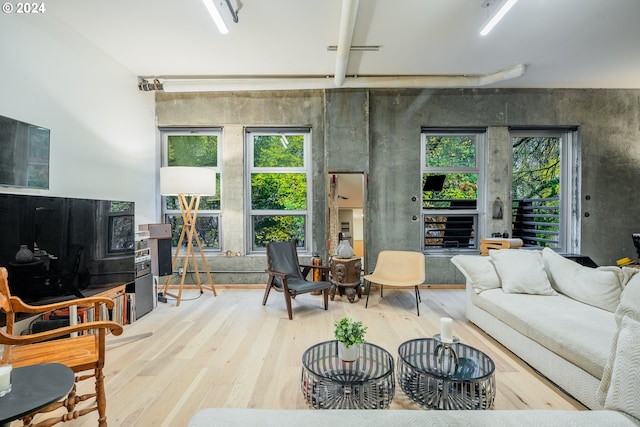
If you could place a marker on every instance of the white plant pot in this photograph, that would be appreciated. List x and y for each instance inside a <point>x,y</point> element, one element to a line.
<point>348,354</point>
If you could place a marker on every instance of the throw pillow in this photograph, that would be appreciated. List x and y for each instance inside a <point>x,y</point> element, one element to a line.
<point>599,288</point>
<point>624,274</point>
<point>478,270</point>
<point>521,271</point>
<point>624,391</point>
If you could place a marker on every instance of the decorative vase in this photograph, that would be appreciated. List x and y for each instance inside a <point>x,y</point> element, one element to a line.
<point>24,255</point>
<point>344,249</point>
<point>348,354</point>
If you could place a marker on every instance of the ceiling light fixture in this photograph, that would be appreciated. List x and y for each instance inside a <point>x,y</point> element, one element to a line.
<point>497,16</point>
<point>356,48</point>
<point>213,9</point>
<point>216,16</point>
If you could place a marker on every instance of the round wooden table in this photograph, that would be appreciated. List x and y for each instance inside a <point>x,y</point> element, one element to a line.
<point>33,388</point>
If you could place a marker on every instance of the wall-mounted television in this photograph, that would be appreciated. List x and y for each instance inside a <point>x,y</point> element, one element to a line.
<point>24,154</point>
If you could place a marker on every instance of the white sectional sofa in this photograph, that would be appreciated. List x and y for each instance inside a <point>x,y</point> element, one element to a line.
<point>591,349</point>
<point>553,313</point>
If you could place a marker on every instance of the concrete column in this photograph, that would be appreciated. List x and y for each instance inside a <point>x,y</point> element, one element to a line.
<point>498,179</point>
<point>232,197</point>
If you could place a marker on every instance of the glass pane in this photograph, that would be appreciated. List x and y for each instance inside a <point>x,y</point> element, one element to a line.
<point>536,190</point>
<point>121,206</point>
<point>38,166</point>
<point>449,231</point>
<point>120,235</point>
<point>284,151</point>
<point>277,228</point>
<point>172,203</point>
<point>449,191</point>
<point>281,191</point>
<point>536,167</point>
<point>207,227</point>
<point>450,151</point>
<point>192,150</point>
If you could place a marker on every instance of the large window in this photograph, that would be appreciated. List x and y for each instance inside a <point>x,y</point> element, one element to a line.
<point>452,173</point>
<point>543,188</point>
<point>199,148</point>
<point>278,187</point>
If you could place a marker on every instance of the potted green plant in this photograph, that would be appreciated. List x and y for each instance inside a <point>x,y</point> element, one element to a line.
<point>350,334</point>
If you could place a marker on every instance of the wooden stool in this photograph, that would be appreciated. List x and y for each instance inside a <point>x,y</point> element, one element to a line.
<point>345,277</point>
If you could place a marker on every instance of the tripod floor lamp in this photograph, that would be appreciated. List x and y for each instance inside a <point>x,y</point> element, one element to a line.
<point>189,184</point>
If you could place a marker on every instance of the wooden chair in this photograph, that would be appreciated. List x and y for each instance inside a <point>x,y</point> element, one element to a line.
<point>400,269</point>
<point>286,275</point>
<point>83,352</point>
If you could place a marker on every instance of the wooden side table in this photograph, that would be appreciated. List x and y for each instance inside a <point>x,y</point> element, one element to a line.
<point>498,243</point>
<point>345,277</point>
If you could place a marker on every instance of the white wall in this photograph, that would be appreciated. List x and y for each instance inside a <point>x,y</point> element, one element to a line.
<point>103,133</point>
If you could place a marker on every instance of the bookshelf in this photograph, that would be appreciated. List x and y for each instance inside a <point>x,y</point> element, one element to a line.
<point>118,313</point>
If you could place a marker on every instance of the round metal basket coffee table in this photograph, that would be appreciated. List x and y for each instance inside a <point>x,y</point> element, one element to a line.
<point>330,383</point>
<point>467,382</point>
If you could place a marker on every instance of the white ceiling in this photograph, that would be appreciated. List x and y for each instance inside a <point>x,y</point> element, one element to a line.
<point>564,43</point>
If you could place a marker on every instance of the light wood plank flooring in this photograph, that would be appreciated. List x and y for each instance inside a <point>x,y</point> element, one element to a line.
<point>230,351</point>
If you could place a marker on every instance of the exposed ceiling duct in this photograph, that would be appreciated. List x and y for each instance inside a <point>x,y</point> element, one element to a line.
<point>213,84</point>
<point>347,25</point>
<point>340,78</point>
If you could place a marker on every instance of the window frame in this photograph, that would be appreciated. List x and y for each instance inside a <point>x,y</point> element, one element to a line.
<point>569,241</point>
<point>306,168</point>
<point>202,213</point>
<point>478,213</point>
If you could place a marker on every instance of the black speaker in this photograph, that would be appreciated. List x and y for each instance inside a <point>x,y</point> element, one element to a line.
<point>163,257</point>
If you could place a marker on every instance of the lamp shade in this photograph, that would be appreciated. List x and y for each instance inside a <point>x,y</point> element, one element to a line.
<point>187,180</point>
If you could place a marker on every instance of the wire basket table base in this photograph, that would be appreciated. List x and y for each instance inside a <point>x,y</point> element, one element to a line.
<point>330,383</point>
<point>421,376</point>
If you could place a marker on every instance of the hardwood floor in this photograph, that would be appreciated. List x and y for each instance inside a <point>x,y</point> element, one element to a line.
<point>230,351</point>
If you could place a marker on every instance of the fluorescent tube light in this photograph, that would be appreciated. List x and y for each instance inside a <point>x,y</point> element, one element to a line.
<point>217,17</point>
<point>493,21</point>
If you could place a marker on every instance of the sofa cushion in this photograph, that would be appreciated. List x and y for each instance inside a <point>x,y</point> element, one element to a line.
<point>624,391</point>
<point>629,306</point>
<point>521,271</point>
<point>580,333</point>
<point>624,274</point>
<point>599,288</point>
<point>237,417</point>
<point>478,270</point>
<point>629,300</point>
